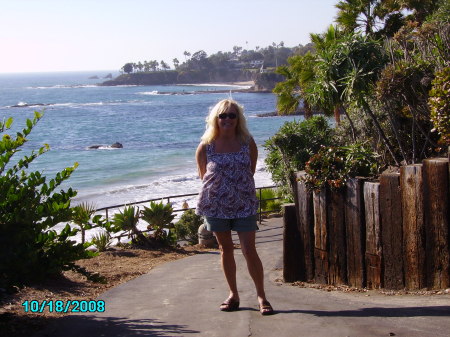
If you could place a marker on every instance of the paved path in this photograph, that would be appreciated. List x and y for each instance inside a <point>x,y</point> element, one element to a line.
<point>181,298</point>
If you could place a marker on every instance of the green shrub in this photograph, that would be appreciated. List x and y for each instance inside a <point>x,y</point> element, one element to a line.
<point>269,205</point>
<point>102,241</point>
<point>292,146</point>
<point>30,248</point>
<point>127,221</point>
<point>187,227</point>
<point>333,166</point>
<point>81,216</point>
<point>159,217</point>
<point>439,103</point>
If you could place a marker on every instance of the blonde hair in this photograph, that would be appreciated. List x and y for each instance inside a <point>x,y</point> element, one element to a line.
<point>212,126</point>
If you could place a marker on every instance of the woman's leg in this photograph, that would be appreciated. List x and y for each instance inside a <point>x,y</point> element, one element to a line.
<point>228,263</point>
<point>254,264</point>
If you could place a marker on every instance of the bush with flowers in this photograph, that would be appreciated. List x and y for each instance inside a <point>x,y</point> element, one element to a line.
<point>333,166</point>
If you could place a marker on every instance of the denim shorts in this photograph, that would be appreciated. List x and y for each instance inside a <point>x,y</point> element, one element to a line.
<point>247,224</point>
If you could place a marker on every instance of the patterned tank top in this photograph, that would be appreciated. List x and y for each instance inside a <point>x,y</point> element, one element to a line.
<point>228,190</point>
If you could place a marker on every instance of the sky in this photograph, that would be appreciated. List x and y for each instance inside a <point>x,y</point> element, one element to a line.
<point>85,35</point>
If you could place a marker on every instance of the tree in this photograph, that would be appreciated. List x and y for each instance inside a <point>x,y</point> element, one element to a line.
<point>237,51</point>
<point>220,60</point>
<point>128,68</point>
<point>291,92</point>
<point>176,63</point>
<point>199,60</point>
<point>146,66</point>
<point>154,65</point>
<point>186,55</point>
<point>382,18</point>
<point>164,65</point>
<point>359,15</point>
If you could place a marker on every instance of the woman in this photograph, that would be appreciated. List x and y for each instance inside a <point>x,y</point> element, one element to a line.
<point>226,159</point>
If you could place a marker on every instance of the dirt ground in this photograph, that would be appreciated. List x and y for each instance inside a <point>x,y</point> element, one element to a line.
<point>117,266</point>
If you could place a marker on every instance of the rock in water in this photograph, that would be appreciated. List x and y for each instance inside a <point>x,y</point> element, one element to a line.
<point>117,145</point>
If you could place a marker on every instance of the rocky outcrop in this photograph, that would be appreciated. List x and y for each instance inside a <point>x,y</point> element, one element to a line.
<point>154,78</point>
<point>181,77</point>
<point>267,81</point>
<point>264,82</point>
<point>116,145</point>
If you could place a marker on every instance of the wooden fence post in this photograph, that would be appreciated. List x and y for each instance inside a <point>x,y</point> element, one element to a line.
<point>292,247</point>
<point>320,237</point>
<point>355,232</point>
<point>305,221</point>
<point>337,257</point>
<point>436,203</point>
<point>391,233</point>
<point>413,226</point>
<point>373,234</point>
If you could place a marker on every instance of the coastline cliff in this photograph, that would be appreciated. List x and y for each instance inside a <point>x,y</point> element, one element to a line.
<point>264,82</point>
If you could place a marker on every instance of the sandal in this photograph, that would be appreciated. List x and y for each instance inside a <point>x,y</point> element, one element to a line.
<point>229,305</point>
<point>265,308</point>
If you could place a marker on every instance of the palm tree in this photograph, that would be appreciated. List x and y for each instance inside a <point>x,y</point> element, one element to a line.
<point>325,90</point>
<point>153,65</point>
<point>359,15</point>
<point>186,55</point>
<point>146,66</point>
<point>176,63</point>
<point>298,75</point>
<point>345,71</point>
<point>164,65</point>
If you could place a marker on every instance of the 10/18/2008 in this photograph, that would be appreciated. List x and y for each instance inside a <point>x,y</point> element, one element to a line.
<point>63,306</point>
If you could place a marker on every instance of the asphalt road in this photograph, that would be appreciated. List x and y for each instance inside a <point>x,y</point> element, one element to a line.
<point>182,298</point>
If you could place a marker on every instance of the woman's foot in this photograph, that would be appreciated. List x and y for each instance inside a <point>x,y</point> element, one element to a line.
<point>230,304</point>
<point>265,308</point>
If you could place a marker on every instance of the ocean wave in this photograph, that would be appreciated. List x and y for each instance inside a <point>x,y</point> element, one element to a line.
<point>67,104</point>
<point>239,86</point>
<point>102,147</point>
<point>153,93</point>
<point>64,86</point>
<point>27,105</point>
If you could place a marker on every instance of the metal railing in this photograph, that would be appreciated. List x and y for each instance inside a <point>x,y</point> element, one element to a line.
<point>168,199</point>
<point>179,196</point>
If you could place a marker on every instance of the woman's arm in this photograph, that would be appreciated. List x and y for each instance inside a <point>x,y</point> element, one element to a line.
<point>200,157</point>
<point>253,154</point>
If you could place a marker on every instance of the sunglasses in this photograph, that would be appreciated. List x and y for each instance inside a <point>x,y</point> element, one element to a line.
<point>230,115</point>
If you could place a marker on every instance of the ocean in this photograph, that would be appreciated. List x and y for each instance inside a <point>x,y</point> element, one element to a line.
<point>158,126</point>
